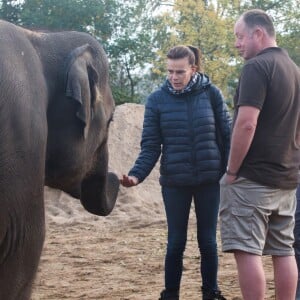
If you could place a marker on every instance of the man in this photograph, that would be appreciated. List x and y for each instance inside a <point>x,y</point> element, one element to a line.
<point>258,190</point>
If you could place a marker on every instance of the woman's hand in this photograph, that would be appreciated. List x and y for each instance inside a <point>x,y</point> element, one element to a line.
<point>129,181</point>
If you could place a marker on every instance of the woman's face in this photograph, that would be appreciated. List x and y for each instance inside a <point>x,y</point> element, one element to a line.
<point>180,72</point>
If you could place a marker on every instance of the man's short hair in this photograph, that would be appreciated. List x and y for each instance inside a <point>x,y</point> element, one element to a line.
<point>258,17</point>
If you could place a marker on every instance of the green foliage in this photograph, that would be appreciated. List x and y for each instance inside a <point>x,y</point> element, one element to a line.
<point>136,34</point>
<point>130,48</point>
<point>291,43</point>
<point>197,23</point>
<point>209,26</point>
<point>91,16</point>
<point>10,10</point>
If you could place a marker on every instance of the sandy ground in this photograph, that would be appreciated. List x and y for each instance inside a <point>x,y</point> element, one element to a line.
<point>121,256</point>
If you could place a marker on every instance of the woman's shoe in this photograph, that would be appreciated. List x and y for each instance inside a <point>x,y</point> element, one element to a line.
<point>166,295</point>
<point>212,295</point>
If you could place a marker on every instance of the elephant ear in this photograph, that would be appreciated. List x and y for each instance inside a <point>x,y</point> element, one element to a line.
<point>81,80</point>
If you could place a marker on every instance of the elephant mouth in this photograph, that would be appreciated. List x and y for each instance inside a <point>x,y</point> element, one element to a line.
<point>71,188</point>
<point>73,192</point>
<point>99,195</point>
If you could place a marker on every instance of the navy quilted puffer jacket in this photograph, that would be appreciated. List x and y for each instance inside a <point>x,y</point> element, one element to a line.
<point>182,129</point>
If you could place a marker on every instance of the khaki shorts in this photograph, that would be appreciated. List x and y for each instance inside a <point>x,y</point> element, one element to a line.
<point>257,219</point>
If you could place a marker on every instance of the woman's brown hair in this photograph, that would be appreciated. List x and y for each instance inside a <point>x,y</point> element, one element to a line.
<point>191,52</point>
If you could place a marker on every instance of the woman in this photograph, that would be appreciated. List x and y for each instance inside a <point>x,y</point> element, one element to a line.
<point>181,125</point>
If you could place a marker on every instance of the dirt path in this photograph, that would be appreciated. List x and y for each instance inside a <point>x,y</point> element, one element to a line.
<point>86,261</point>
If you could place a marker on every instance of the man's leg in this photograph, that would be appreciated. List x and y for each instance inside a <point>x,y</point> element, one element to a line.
<point>297,240</point>
<point>251,275</point>
<point>286,277</point>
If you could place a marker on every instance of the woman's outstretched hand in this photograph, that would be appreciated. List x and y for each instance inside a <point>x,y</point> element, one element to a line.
<point>129,181</point>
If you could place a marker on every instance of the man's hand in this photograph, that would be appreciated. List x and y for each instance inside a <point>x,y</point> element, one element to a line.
<point>229,178</point>
<point>129,181</point>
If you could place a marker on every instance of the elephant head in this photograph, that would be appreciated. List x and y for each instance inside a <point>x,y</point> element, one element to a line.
<point>80,109</point>
<point>56,107</point>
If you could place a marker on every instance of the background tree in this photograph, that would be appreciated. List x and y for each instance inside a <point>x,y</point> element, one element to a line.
<point>209,26</point>
<point>92,16</point>
<point>286,17</point>
<point>136,34</point>
<point>10,10</point>
<point>198,23</point>
<point>130,49</point>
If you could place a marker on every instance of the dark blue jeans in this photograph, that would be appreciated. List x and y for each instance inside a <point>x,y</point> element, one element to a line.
<point>177,202</point>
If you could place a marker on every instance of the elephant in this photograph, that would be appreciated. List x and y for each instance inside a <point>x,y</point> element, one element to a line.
<point>55,109</point>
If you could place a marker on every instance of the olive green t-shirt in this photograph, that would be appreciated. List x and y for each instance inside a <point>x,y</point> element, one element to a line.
<point>271,82</point>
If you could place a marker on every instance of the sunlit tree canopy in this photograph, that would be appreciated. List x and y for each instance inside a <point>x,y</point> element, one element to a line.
<point>136,34</point>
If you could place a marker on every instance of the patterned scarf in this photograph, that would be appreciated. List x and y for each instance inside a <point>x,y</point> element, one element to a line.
<point>188,87</point>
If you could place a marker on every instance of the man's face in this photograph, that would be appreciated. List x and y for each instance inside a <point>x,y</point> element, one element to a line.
<point>245,40</point>
<point>180,72</point>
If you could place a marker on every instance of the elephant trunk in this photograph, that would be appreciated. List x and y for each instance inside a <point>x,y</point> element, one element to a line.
<point>99,195</point>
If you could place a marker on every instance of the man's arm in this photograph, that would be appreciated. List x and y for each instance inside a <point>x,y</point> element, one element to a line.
<point>241,139</point>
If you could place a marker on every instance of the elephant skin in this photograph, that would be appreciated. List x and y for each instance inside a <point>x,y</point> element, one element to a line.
<point>56,106</point>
